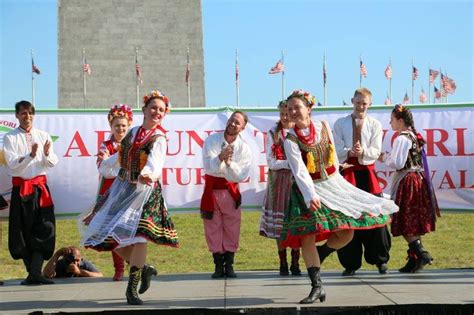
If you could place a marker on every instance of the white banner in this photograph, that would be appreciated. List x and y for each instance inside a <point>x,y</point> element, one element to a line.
<point>77,135</point>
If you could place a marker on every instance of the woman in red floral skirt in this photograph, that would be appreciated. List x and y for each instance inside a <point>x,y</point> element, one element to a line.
<point>411,189</point>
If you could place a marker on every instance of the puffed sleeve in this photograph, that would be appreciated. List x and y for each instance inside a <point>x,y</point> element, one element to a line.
<point>399,155</point>
<point>210,157</point>
<point>299,171</point>
<point>339,144</point>
<point>272,162</point>
<point>52,159</point>
<point>13,160</point>
<point>238,171</point>
<point>372,149</point>
<point>110,167</point>
<point>156,159</point>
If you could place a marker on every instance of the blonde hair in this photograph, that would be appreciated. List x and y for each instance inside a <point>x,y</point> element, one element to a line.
<point>363,91</point>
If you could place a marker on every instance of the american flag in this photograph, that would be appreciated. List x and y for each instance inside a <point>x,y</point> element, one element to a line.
<point>422,96</point>
<point>433,75</point>
<point>279,67</point>
<point>388,72</point>
<point>363,69</point>
<point>236,71</point>
<point>138,71</point>
<point>34,68</point>
<point>437,93</point>
<point>448,84</point>
<point>406,99</point>
<point>86,67</point>
<point>188,73</point>
<point>414,73</point>
<point>325,76</point>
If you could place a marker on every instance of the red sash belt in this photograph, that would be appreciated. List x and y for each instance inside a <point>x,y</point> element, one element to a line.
<point>27,189</point>
<point>330,170</point>
<point>348,174</point>
<point>212,183</point>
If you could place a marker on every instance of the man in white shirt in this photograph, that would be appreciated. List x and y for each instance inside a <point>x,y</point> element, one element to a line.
<point>31,230</point>
<point>227,161</point>
<point>358,142</point>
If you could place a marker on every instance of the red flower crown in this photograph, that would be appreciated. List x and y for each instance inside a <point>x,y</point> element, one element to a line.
<point>120,110</point>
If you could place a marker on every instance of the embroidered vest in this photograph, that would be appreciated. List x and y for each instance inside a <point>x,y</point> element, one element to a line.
<point>414,159</point>
<point>319,157</point>
<point>133,161</point>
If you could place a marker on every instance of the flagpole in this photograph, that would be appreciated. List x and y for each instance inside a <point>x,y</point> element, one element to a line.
<point>189,78</point>
<point>137,80</point>
<point>283,76</point>
<point>237,86</point>
<point>324,79</point>
<point>32,81</point>
<point>84,84</point>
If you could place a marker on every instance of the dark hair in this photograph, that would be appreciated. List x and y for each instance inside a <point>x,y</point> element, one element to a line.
<point>24,104</point>
<point>279,125</point>
<point>404,113</point>
<point>238,111</point>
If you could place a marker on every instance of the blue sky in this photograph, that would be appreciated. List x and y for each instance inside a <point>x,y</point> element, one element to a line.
<point>436,33</point>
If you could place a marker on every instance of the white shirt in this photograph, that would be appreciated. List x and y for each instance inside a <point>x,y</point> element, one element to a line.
<point>371,139</point>
<point>17,148</point>
<point>272,162</point>
<point>110,167</point>
<point>239,167</point>
<point>399,155</point>
<point>297,165</point>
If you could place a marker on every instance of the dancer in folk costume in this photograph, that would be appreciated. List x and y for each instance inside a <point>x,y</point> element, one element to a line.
<point>277,195</point>
<point>133,211</point>
<point>29,156</point>
<point>120,118</point>
<point>411,189</point>
<point>227,160</point>
<point>323,205</point>
<point>358,143</point>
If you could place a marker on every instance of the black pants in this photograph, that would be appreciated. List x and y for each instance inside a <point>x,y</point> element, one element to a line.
<point>375,244</point>
<point>31,228</point>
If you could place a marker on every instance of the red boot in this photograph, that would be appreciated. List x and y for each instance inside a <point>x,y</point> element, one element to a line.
<point>119,265</point>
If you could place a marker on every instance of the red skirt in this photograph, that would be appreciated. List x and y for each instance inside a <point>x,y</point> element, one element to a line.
<point>417,215</point>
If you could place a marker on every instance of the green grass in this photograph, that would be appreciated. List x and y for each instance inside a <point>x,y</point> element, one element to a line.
<point>450,245</point>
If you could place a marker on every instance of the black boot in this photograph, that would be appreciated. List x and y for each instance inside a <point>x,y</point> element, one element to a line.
<point>422,256</point>
<point>283,263</point>
<point>411,262</point>
<point>317,291</point>
<point>133,279</point>
<point>219,265</point>
<point>295,266</point>
<point>36,266</point>
<point>229,265</point>
<point>147,272</point>
<point>324,251</point>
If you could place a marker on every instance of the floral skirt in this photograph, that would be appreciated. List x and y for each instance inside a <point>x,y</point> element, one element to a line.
<point>416,216</point>
<point>299,221</point>
<point>277,198</point>
<point>154,224</point>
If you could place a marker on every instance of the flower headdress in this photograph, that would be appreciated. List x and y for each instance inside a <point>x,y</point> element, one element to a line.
<point>399,108</point>
<point>157,94</point>
<point>305,96</point>
<point>120,110</point>
<point>282,104</point>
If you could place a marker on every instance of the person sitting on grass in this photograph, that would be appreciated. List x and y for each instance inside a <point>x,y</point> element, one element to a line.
<point>67,262</point>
